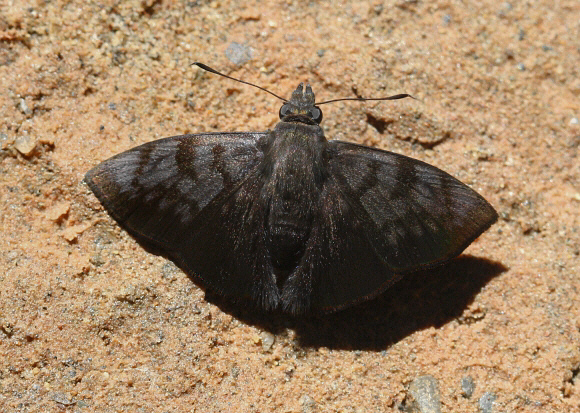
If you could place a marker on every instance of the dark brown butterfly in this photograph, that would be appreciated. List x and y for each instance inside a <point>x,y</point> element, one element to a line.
<point>285,219</point>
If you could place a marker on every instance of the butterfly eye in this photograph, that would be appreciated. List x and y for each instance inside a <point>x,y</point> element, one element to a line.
<point>285,110</point>
<point>316,114</point>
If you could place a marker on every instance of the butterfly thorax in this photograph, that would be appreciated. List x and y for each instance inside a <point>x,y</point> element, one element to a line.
<point>294,182</point>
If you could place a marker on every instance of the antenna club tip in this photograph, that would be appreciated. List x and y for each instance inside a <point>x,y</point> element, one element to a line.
<point>204,67</point>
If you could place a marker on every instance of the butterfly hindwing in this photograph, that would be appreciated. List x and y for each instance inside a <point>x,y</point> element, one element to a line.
<point>415,214</point>
<point>339,266</point>
<point>229,251</point>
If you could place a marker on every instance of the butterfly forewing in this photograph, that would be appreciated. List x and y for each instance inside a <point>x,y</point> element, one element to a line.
<point>415,215</point>
<point>157,190</point>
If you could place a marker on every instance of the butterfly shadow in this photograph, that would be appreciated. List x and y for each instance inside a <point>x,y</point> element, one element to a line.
<point>429,298</point>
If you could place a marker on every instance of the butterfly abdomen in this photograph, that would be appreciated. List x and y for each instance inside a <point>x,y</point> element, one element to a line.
<point>294,189</point>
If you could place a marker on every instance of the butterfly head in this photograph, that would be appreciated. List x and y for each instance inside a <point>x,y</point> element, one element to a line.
<point>301,107</point>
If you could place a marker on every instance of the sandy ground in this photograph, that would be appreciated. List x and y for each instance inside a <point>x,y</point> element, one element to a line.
<point>90,321</point>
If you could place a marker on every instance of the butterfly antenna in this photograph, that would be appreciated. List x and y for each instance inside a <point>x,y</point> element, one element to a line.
<point>209,69</point>
<point>394,97</point>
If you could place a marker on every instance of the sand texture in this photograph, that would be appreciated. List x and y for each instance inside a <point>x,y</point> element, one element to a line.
<point>92,322</point>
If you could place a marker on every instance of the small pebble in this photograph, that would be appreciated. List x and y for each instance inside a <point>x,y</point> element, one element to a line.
<point>486,402</point>
<point>61,398</point>
<point>308,404</point>
<point>25,144</point>
<point>71,233</point>
<point>239,53</point>
<point>267,340</point>
<point>58,212</point>
<point>467,386</point>
<point>24,107</point>
<point>424,391</point>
